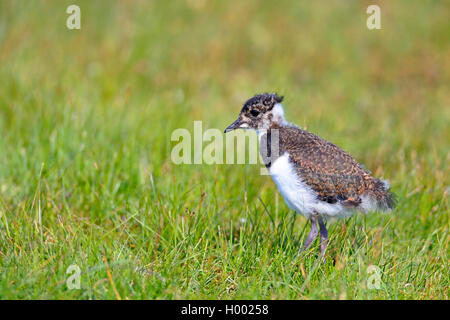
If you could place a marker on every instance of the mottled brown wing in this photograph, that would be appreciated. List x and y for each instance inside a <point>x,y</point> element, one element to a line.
<point>325,167</point>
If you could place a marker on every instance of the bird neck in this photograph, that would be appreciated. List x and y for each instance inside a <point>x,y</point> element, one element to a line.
<point>278,115</point>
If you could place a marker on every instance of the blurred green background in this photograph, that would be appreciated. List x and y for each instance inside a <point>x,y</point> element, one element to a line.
<point>86,118</point>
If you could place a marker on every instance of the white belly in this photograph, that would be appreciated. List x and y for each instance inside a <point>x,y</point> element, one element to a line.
<point>297,195</point>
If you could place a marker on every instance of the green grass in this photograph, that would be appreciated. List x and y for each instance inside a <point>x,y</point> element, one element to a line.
<point>85,124</point>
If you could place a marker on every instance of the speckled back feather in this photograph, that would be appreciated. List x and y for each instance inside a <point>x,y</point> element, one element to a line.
<point>330,171</point>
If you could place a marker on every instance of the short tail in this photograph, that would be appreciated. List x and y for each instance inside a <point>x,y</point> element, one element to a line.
<point>385,199</point>
<point>379,198</point>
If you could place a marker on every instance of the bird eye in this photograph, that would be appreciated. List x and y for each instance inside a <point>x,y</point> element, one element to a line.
<point>254,112</point>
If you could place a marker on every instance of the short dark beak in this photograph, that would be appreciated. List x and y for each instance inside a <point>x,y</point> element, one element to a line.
<point>235,125</point>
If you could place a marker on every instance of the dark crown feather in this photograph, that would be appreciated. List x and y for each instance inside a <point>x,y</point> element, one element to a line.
<point>266,99</point>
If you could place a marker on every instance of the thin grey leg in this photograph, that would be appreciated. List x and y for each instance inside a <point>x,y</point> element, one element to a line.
<point>312,234</point>
<point>323,237</point>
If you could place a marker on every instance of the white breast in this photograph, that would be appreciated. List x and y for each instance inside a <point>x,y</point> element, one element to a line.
<point>297,195</point>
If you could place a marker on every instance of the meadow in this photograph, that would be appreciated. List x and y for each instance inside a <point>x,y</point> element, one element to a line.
<point>86,177</point>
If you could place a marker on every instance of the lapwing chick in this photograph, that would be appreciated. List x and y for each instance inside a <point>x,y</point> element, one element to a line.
<point>315,177</point>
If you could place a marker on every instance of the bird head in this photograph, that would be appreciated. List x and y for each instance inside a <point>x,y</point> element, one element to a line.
<point>259,113</point>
